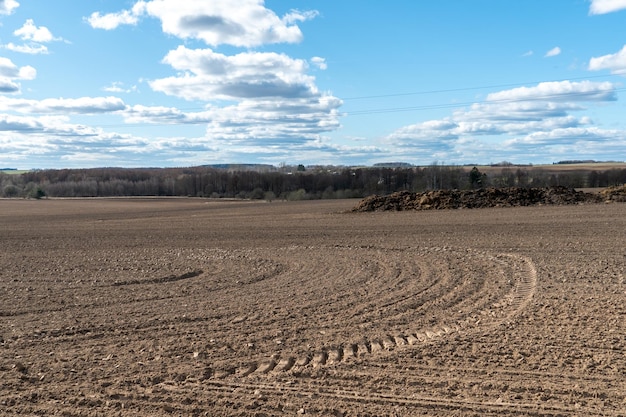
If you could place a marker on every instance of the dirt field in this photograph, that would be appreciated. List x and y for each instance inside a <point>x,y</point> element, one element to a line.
<point>188,307</point>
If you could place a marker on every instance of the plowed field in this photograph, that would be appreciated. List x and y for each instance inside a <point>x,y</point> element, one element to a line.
<point>159,307</point>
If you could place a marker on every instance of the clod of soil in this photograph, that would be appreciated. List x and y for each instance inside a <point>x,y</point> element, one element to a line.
<point>485,197</point>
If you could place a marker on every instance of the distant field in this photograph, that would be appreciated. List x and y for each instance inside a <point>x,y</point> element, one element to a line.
<point>13,171</point>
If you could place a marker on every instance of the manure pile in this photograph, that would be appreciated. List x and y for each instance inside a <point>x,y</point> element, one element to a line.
<point>617,194</point>
<point>486,197</point>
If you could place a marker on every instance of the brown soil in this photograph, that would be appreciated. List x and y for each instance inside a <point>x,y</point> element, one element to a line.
<point>486,197</point>
<point>155,307</point>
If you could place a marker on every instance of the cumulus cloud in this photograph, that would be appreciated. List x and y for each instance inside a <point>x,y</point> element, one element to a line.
<point>35,140</point>
<point>8,6</point>
<point>319,62</point>
<point>82,105</point>
<point>616,62</point>
<point>118,87</point>
<point>30,32</point>
<point>27,73</point>
<point>9,72</point>
<point>553,52</point>
<point>517,112</point>
<point>111,21</point>
<point>255,123</point>
<point>38,140</point>
<point>244,23</point>
<point>564,136</point>
<point>160,114</point>
<point>567,91</point>
<point>271,97</point>
<point>606,6</point>
<point>511,121</point>
<point>31,49</point>
<point>23,124</point>
<point>501,126</point>
<point>207,75</point>
<point>271,123</point>
<point>277,101</point>
<point>321,150</point>
<point>436,129</point>
<point>34,38</point>
<point>435,137</point>
<point>8,86</point>
<point>587,143</point>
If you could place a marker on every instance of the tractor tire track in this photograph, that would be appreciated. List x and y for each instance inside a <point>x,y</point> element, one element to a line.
<point>462,285</point>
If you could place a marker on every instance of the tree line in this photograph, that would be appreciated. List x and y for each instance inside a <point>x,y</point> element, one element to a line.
<point>289,183</point>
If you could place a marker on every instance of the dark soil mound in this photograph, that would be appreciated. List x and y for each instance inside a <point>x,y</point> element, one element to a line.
<point>485,197</point>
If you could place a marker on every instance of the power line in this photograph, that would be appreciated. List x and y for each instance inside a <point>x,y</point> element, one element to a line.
<point>469,103</point>
<point>564,95</point>
<point>484,87</point>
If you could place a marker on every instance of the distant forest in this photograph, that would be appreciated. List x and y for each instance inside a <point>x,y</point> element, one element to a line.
<point>290,183</point>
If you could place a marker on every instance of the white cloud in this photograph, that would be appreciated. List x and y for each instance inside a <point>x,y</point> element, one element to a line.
<point>437,137</point>
<point>160,114</point>
<point>298,16</point>
<point>8,6</point>
<point>277,102</point>
<point>584,142</point>
<point>10,72</point>
<point>82,105</point>
<point>30,32</point>
<point>32,49</point>
<point>606,6</point>
<point>565,135</point>
<point>553,52</point>
<point>8,68</point>
<point>498,127</point>
<point>319,62</point>
<point>8,86</point>
<point>111,21</point>
<point>615,62</point>
<point>567,91</point>
<point>45,134</point>
<point>252,122</point>
<point>27,73</point>
<point>35,141</point>
<point>34,36</point>
<point>244,23</point>
<point>271,98</point>
<point>118,87</point>
<point>527,53</point>
<point>531,121</point>
<point>24,124</point>
<point>268,122</point>
<point>208,76</point>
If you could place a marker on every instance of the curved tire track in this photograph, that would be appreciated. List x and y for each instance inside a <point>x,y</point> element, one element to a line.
<point>464,284</point>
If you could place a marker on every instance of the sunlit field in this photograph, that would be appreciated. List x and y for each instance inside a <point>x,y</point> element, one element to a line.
<point>159,307</point>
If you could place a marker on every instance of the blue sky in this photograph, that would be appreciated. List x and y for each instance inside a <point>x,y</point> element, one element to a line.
<point>164,83</point>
